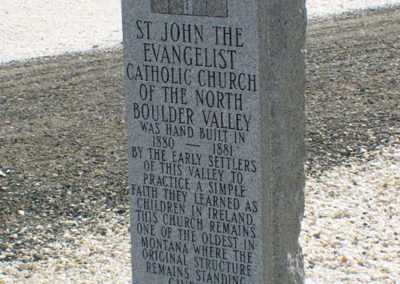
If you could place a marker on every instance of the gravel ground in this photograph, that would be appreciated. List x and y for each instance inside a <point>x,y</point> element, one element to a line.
<point>79,257</point>
<point>351,231</point>
<point>63,168</point>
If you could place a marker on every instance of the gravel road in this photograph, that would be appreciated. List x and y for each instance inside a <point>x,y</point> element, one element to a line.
<point>63,167</point>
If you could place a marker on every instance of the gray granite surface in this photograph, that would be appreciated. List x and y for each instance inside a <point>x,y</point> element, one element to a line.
<point>215,124</point>
<point>210,8</point>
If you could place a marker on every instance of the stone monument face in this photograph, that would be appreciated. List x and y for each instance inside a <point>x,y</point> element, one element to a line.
<point>215,124</point>
<point>210,8</point>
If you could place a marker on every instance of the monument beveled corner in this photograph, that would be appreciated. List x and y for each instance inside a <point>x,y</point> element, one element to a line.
<point>215,124</point>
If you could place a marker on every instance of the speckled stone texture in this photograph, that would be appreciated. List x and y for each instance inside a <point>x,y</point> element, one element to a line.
<point>266,70</point>
<point>282,129</point>
<point>211,8</point>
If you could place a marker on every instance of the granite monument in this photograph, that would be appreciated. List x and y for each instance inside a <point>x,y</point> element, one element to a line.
<point>215,126</point>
